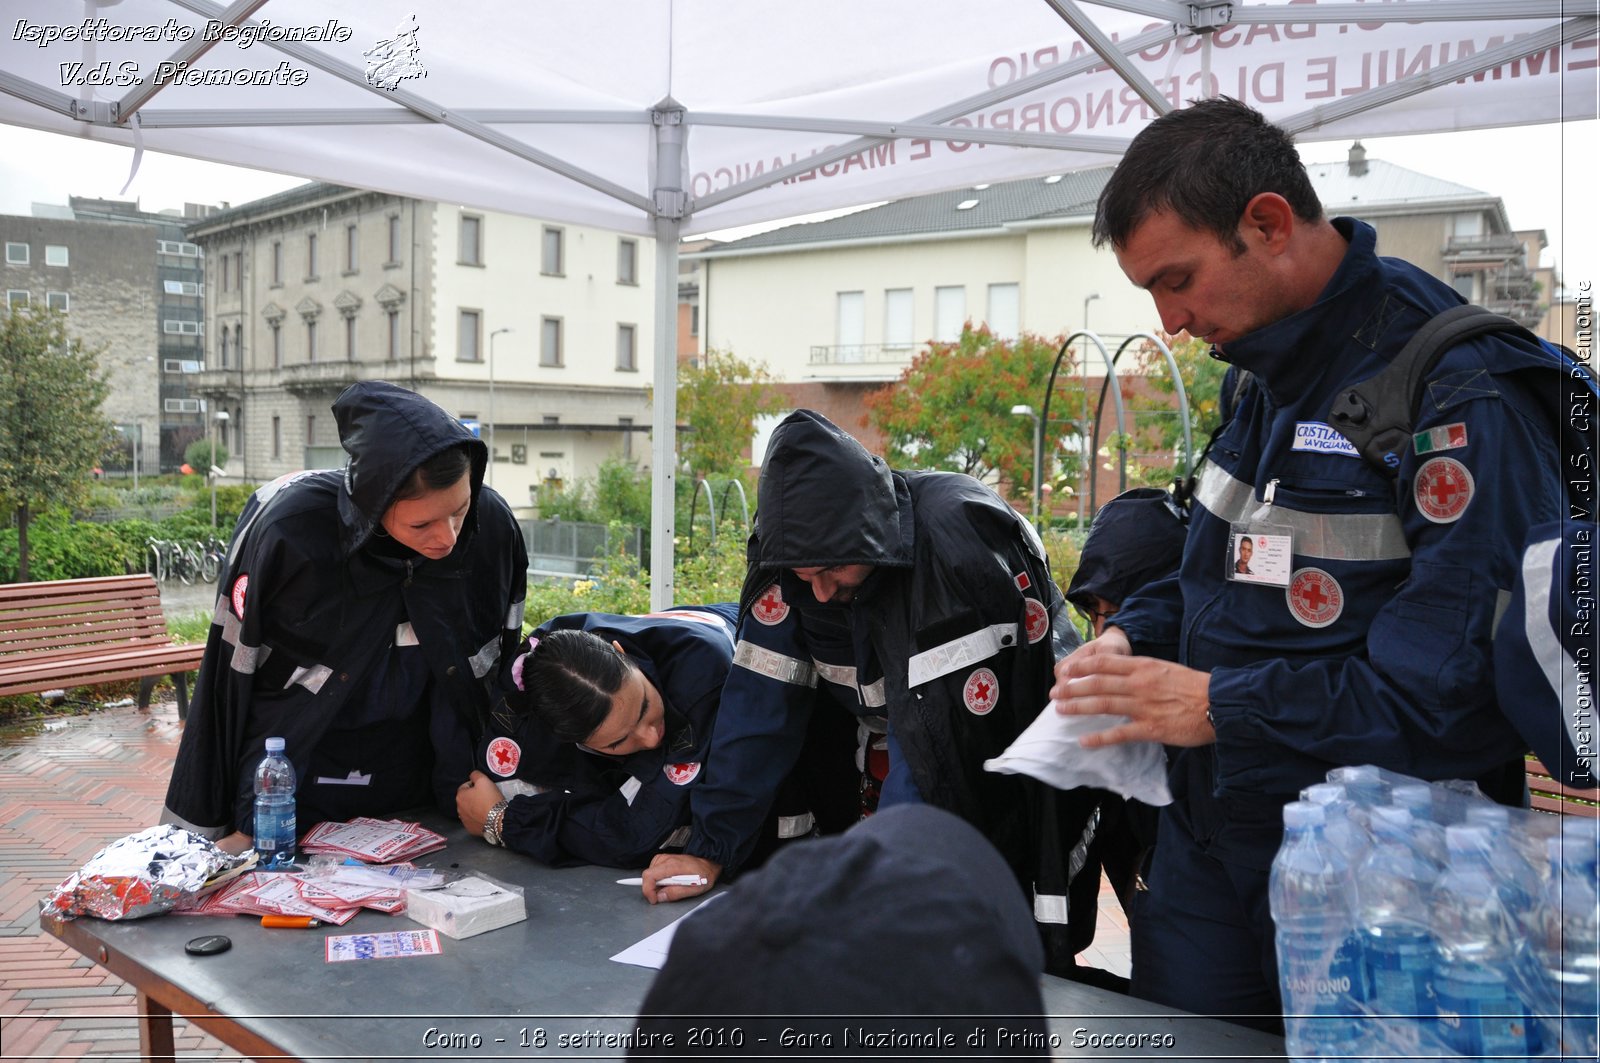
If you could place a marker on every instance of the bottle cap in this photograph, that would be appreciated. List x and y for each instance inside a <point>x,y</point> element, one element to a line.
<point>1302,814</point>
<point>1323,793</point>
<point>274,745</point>
<point>1392,817</point>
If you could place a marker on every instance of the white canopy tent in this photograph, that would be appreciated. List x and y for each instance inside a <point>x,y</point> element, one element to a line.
<point>668,117</point>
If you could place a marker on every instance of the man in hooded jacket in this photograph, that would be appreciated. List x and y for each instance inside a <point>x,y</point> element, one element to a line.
<point>922,604</point>
<point>367,657</point>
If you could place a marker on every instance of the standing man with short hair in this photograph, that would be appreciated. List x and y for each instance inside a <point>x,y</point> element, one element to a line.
<point>921,604</point>
<point>1378,648</point>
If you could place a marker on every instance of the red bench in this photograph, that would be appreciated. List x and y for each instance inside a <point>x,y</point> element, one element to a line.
<point>1545,794</point>
<point>82,632</point>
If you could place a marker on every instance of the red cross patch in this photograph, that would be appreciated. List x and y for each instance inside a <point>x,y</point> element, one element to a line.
<point>1315,598</point>
<point>1023,582</point>
<point>682,774</point>
<point>1443,489</point>
<point>503,756</point>
<point>239,587</point>
<point>770,608</point>
<point>1038,621</point>
<point>981,693</point>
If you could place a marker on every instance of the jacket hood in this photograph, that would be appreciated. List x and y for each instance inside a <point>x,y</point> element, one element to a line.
<point>1136,538</point>
<point>388,431</point>
<point>824,500</point>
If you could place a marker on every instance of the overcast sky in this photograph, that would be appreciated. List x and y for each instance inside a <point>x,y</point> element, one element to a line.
<point>1540,172</point>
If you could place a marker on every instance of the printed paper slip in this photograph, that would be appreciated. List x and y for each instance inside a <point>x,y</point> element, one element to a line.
<point>387,946</point>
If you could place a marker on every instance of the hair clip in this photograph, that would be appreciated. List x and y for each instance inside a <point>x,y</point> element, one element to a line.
<point>521,662</point>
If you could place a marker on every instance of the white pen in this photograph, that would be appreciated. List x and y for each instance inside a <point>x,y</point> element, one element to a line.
<point>670,880</point>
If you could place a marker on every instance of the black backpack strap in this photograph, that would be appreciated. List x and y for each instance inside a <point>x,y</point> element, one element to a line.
<point>1376,415</point>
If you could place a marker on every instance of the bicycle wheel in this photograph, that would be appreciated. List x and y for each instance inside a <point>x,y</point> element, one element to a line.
<point>153,561</point>
<point>185,564</point>
<point>210,565</point>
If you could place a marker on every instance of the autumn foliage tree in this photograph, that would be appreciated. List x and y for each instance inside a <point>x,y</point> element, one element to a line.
<point>52,432</point>
<point>951,409</point>
<point>719,398</point>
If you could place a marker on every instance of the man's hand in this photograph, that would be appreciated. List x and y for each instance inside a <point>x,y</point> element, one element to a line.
<point>474,799</point>
<point>1164,702</point>
<point>235,843</point>
<point>666,864</point>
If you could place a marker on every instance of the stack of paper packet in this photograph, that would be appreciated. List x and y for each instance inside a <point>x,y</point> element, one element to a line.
<point>468,906</point>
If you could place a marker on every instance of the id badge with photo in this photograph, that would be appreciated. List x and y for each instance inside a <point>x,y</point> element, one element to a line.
<point>1261,550</point>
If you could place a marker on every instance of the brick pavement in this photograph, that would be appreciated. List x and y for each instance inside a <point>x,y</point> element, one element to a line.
<point>64,793</point>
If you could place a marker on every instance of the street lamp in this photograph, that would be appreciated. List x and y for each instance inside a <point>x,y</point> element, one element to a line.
<point>1087,449</point>
<point>221,419</point>
<point>1038,454</point>
<point>494,437</point>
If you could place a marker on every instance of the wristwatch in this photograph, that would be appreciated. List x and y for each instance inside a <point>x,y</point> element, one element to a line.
<point>491,823</point>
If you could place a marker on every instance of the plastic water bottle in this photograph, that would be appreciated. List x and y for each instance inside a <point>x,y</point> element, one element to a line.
<point>1427,829</point>
<point>1319,961</point>
<point>1568,944</point>
<point>1480,975</point>
<point>1339,824</point>
<point>275,821</point>
<point>1392,887</point>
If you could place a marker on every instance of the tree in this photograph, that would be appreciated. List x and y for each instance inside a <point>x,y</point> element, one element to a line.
<point>1202,388</point>
<point>198,456</point>
<point>52,432</point>
<point>719,398</point>
<point>951,408</point>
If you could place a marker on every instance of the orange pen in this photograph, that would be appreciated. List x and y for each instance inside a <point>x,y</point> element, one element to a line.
<point>290,922</point>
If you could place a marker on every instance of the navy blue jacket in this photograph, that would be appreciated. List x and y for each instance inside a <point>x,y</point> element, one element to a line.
<point>618,811</point>
<point>1380,650</point>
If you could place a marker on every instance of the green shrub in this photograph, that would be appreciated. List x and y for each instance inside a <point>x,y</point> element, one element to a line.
<point>60,548</point>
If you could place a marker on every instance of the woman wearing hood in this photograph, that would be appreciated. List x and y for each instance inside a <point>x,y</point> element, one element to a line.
<point>360,614</point>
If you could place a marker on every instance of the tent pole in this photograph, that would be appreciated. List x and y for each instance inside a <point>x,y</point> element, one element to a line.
<point>670,207</point>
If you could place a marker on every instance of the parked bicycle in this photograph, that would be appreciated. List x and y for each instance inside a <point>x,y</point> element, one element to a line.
<point>212,554</point>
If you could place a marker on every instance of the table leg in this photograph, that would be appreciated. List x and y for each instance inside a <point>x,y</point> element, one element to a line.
<point>155,1030</point>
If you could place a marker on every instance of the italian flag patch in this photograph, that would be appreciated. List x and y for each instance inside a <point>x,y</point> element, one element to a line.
<point>1445,437</point>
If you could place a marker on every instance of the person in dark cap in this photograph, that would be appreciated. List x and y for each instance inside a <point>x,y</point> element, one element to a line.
<point>795,951</point>
<point>920,604</point>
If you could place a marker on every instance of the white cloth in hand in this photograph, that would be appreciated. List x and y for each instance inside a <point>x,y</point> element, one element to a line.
<point>1049,751</point>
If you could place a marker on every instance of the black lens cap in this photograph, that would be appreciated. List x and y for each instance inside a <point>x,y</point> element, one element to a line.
<point>209,945</point>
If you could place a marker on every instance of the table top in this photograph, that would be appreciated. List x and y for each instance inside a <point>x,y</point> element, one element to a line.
<point>543,987</point>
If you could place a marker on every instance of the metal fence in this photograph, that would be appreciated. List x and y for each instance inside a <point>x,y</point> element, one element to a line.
<point>560,548</point>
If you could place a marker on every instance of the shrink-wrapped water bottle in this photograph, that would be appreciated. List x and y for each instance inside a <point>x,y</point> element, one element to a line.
<point>1392,887</point>
<point>1568,945</point>
<point>1427,826</point>
<point>1319,963</point>
<point>1339,826</point>
<point>275,819</point>
<point>1480,976</point>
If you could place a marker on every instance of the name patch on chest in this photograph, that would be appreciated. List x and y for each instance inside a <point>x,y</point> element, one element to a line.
<point>1322,439</point>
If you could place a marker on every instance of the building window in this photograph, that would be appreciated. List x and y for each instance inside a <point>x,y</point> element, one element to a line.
<point>277,263</point>
<point>470,253</point>
<point>394,335</point>
<point>225,266</point>
<point>850,328</point>
<point>17,254</point>
<point>898,318</point>
<point>311,341</point>
<point>311,429</point>
<point>182,288</point>
<point>1005,310</point>
<point>352,249</point>
<point>238,270</point>
<point>350,339</point>
<point>549,341</point>
<point>694,320</point>
<point>949,313</point>
<point>311,256</point>
<point>627,354</point>
<point>238,344</point>
<point>394,238</point>
<point>277,436</point>
<point>627,261</point>
<point>178,247</point>
<point>57,301</point>
<point>55,255</point>
<point>626,424</point>
<point>468,348</point>
<point>277,346</point>
<point>551,258</point>
<point>224,341</point>
<point>183,328</point>
<point>15,298</point>
<point>180,405</point>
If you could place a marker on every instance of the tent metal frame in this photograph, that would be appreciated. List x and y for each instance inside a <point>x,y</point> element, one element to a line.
<point>669,206</point>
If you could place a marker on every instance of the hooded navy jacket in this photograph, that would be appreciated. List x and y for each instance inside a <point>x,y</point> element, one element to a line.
<point>601,809</point>
<point>310,605</point>
<point>950,639</point>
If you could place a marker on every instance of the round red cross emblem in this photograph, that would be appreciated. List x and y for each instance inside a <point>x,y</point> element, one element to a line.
<point>682,774</point>
<point>981,693</point>
<point>1443,489</point>
<point>1038,621</point>
<point>1315,598</point>
<point>770,608</point>
<point>503,757</point>
<point>240,585</point>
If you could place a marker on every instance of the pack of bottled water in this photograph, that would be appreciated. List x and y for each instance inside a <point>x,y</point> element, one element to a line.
<point>1423,920</point>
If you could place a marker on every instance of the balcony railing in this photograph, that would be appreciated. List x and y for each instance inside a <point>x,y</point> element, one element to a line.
<point>1501,245</point>
<point>318,376</point>
<point>864,354</point>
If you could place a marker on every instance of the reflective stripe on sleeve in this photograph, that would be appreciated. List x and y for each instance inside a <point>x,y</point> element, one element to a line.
<point>311,678</point>
<point>244,659</point>
<point>485,658</point>
<point>515,614</point>
<point>796,826</point>
<point>959,653</point>
<point>774,665</point>
<point>872,695</point>
<point>1329,536</point>
<point>1050,908</point>
<point>1570,683</point>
